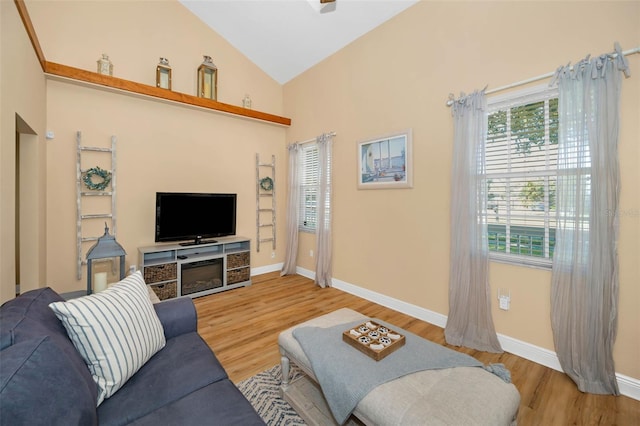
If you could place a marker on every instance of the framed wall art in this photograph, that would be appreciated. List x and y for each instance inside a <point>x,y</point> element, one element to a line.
<point>386,162</point>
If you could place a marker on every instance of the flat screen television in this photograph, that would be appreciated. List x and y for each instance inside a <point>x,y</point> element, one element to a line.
<point>182,216</point>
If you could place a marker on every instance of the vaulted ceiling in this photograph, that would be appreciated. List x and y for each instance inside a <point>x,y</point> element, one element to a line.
<point>286,37</point>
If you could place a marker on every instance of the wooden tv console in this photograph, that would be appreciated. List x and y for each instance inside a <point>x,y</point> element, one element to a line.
<point>174,270</point>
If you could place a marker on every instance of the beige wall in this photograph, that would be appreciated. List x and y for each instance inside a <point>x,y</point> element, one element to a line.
<point>22,94</point>
<point>396,242</point>
<point>161,146</point>
<point>135,34</point>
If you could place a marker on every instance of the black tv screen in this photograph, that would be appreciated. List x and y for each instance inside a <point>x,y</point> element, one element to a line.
<point>182,216</point>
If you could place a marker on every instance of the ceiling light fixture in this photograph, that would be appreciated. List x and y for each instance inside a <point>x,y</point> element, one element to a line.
<point>323,6</point>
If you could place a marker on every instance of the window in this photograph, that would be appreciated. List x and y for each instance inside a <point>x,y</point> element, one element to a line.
<point>309,187</point>
<point>521,168</point>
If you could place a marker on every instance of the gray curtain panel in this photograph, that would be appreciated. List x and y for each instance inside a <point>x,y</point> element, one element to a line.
<point>469,322</point>
<point>293,204</point>
<point>324,252</point>
<point>584,290</point>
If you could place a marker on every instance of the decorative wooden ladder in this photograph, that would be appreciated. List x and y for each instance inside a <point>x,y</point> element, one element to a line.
<point>262,195</point>
<point>84,192</point>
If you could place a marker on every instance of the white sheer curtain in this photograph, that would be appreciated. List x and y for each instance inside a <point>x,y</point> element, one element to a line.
<point>584,291</point>
<point>293,203</point>
<point>324,255</point>
<point>469,322</point>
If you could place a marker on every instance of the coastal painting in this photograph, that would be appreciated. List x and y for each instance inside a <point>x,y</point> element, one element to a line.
<point>385,162</point>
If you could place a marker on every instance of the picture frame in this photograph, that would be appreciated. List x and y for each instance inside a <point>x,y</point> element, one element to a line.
<point>386,162</point>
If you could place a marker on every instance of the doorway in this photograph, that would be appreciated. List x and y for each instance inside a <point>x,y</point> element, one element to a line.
<point>27,208</point>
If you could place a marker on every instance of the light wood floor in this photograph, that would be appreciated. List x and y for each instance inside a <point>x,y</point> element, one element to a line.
<point>242,328</point>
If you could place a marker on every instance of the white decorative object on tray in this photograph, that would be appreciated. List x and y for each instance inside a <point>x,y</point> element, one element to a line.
<point>374,340</point>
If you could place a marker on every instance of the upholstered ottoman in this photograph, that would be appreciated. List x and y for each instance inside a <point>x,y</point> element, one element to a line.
<point>452,396</point>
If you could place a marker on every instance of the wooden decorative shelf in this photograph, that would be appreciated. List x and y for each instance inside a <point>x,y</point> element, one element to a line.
<point>64,71</point>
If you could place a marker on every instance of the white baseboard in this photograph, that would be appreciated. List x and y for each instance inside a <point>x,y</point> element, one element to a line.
<point>395,304</point>
<point>628,386</point>
<point>266,269</point>
<point>529,351</point>
<point>305,273</point>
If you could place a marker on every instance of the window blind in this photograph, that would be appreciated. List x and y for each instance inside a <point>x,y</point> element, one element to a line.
<point>309,187</point>
<point>520,169</point>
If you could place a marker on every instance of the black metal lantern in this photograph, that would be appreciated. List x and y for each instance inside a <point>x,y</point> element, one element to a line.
<point>106,251</point>
<point>208,79</point>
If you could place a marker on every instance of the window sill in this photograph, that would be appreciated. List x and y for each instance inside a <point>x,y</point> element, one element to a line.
<point>515,260</point>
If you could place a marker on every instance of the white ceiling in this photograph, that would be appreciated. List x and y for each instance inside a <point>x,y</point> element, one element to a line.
<point>286,37</point>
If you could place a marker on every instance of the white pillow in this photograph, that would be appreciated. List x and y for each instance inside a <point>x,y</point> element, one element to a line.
<point>116,331</point>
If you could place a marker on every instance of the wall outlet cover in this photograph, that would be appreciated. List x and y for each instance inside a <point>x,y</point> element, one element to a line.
<point>504,302</point>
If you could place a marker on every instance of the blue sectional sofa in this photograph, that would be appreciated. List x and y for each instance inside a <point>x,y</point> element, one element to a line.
<point>45,381</point>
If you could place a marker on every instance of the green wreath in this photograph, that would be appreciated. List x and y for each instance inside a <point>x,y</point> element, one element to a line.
<point>266,183</point>
<point>105,175</point>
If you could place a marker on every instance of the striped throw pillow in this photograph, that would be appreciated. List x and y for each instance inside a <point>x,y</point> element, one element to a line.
<point>116,331</point>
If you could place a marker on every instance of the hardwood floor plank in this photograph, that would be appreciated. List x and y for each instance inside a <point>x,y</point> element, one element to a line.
<point>242,327</point>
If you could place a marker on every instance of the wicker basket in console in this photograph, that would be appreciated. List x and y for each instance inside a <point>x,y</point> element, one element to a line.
<point>238,275</point>
<point>157,273</point>
<point>166,290</point>
<point>236,260</point>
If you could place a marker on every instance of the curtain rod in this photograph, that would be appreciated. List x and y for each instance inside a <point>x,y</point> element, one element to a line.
<point>540,77</point>
<point>314,139</point>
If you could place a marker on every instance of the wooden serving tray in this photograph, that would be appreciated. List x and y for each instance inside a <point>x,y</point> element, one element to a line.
<point>375,340</point>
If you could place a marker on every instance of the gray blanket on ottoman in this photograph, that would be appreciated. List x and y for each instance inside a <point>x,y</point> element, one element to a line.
<point>346,375</point>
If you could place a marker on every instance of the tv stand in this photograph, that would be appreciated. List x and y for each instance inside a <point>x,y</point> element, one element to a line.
<point>194,270</point>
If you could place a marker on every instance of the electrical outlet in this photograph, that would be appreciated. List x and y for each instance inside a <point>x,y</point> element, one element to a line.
<point>310,253</point>
<point>273,254</point>
<point>505,301</point>
<point>132,269</point>
<point>504,297</point>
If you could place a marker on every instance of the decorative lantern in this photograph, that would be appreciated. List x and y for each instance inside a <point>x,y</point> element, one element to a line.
<point>105,252</point>
<point>163,74</point>
<point>105,66</point>
<point>208,79</point>
<point>246,102</point>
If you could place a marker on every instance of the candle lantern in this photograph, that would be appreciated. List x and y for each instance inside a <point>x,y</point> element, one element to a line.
<point>105,66</point>
<point>246,102</point>
<point>208,79</point>
<point>163,74</point>
<point>105,252</point>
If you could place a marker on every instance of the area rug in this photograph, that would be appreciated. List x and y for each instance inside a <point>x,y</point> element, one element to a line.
<point>263,391</point>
